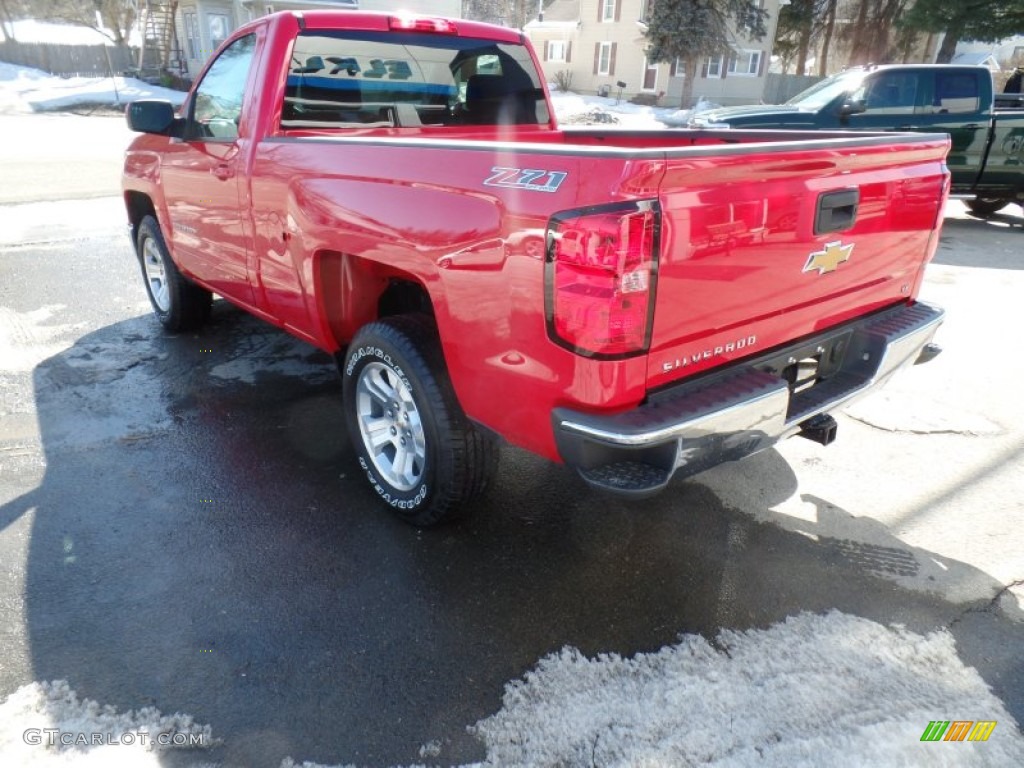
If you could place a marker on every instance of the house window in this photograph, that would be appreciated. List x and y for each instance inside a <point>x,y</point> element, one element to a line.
<point>608,10</point>
<point>268,9</point>
<point>192,36</point>
<point>744,63</point>
<point>556,50</point>
<point>678,68</point>
<point>604,59</point>
<point>715,65</point>
<point>220,28</point>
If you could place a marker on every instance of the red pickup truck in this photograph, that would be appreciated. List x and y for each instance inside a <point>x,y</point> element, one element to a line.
<point>394,190</point>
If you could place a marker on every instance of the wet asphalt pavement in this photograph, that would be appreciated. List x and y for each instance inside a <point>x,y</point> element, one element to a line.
<point>182,524</point>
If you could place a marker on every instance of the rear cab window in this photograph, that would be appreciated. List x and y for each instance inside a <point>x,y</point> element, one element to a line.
<point>366,79</point>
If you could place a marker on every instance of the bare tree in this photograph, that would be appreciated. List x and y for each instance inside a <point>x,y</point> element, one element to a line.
<point>870,35</point>
<point>10,11</point>
<point>113,19</point>
<point>826,37</point>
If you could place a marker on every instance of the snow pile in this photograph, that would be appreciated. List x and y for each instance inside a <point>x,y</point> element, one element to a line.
<point>575,109</point>
<point>815,690</point>
<point>596,116</point>
<point>23,89</point>
<point>33,31</point>
<point>38,713</point>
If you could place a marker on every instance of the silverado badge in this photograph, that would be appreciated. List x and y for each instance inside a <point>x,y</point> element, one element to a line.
<point>829,259</point>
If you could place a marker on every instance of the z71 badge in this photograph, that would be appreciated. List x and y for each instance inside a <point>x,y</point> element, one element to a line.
<point>525,178</point>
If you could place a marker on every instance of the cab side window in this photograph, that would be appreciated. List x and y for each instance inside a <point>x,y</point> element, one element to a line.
<point>956,92</point>
<point>891,93</point>
<point>217,104</point>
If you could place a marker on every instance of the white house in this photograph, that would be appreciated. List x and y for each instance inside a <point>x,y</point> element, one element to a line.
<point>1008,53</point>
<point>202,25</point>
<point>600,43</point>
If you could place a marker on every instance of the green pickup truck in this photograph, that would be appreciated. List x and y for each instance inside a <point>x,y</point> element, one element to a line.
<point>987,130</point>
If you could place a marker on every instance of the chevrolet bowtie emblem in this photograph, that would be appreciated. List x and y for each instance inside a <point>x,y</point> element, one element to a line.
<point>830,258</point>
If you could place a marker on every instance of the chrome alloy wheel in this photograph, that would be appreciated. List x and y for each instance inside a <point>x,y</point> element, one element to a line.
<point>156,275</point>
<point>390,426</point>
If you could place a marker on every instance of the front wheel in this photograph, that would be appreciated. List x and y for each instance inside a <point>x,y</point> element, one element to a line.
<point>986,206</point>
<point>418,450</point>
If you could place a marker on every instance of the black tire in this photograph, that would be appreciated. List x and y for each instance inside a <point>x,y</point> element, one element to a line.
<point>986,206</point>
<point>430,462</point>
<point>179,304</point>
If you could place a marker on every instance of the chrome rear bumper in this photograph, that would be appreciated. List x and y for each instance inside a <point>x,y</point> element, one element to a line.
<point>731,413</point>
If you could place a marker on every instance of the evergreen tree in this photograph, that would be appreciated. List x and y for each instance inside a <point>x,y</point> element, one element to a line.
<point>982,20</point>
<point>693,30</point>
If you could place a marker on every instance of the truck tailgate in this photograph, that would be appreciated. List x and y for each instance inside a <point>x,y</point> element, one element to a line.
<point>761,247</point>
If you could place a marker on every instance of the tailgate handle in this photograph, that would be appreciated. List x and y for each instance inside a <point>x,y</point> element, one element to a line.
<point>836,211</point>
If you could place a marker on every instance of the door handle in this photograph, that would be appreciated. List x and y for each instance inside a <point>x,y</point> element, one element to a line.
<point>223,171</point>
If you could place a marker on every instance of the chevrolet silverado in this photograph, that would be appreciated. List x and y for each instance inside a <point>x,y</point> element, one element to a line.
<point>395,191</point>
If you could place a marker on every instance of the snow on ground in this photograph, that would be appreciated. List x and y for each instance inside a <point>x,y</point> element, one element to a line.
<point>813,690</point>
<point>574,108</point>
<point>39,713</point>
<point>32,31</point>
<point>23,89</point>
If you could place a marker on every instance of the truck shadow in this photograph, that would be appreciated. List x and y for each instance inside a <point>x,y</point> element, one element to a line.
<point>201,542</point>
<point>958,231</point>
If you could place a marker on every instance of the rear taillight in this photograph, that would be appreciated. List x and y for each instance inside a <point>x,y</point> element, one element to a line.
<point>600,278</point>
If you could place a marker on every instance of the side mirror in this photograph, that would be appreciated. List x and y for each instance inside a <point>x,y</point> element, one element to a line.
<point>852,107</point>
<point>153,116</point>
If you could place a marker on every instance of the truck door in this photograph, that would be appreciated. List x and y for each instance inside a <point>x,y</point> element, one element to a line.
<point>201,177</point>
<point>931,101</point>
<point>890,99</point>
<point>961,107</point>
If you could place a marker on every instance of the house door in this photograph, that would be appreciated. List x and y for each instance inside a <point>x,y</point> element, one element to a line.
<point>650,75</point>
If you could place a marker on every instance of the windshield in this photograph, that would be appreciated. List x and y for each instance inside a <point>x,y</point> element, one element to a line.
<point>829,89</point>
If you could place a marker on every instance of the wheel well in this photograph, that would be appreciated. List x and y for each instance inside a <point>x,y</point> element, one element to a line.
<point>139,205</point>
<point>353,292</point>
<point>404,297</point>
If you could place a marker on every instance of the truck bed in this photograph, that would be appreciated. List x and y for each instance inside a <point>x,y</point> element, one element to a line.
<point>737,231</point>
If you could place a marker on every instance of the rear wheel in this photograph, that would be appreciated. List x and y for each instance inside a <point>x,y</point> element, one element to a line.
<point>179,304</point>
<point>418,450</point>
<point>986,206</point>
